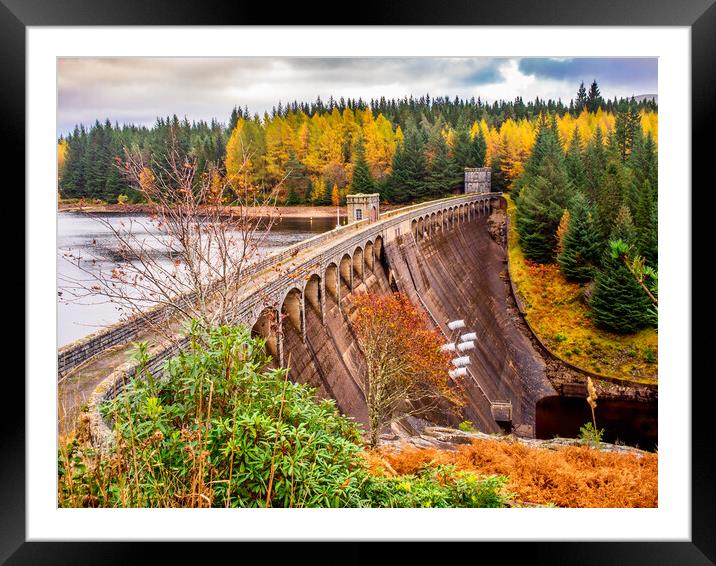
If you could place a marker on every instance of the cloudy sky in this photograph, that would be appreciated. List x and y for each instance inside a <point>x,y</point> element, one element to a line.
<point>140,89</point>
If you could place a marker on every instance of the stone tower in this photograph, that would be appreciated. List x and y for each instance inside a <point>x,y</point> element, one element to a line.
<point>478,179</point>
<point>363,206</point>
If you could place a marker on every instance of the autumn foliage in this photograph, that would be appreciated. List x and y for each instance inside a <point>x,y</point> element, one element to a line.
<point>406,371</point>
<point>573,476</point>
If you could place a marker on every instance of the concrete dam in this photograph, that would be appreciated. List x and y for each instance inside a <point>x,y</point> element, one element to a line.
<point>449,272</point>
<point>448,256</point>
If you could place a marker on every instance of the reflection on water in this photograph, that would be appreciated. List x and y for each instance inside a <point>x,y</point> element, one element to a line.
<point>633,423</point>
<point>81,235</point>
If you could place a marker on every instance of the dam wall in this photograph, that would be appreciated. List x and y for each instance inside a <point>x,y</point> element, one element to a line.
<point>452,273</point>
<point>460,274</point>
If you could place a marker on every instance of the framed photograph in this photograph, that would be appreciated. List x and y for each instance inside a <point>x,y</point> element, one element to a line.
<point>391,282</point>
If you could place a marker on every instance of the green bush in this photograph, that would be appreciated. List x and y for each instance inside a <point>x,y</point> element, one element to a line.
<point>466,426</point>
<point>222,429</point>
<point>649,356</point>
<point>437,486</point>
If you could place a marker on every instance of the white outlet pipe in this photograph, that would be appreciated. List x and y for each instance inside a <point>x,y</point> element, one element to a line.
<point>459,372</point>
<point>455,324</point>
<point>460,362</point>
<point>469,336</point>
<point>465,346</point>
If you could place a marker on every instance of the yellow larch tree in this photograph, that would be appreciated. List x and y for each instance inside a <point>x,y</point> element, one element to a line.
<point>62,149</point>
<point>279,143</point>
<point>650,124</point>
<point>379,145</point>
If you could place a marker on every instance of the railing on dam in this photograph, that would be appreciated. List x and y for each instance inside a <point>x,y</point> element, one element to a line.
<point>78,352</point>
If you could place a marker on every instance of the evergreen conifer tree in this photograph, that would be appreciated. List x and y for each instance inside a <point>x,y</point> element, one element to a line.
<point>326,198</point>
<point>643,161</point>
<point>595,163</point>
<point>409,169</point>
<point>624,227</point>
<point>618,303</point>
<point>581,101</point>
<point>462,148</point>
<point>575,162</point>
<point>443,172</point>
<point>362,181</point>
<point>292,198</point>
<point>541,205</point>
<point>497,179</point>
<point>479,149</point>
<point>580,252</point>
<point>594,97</point>
<point>646,221</point>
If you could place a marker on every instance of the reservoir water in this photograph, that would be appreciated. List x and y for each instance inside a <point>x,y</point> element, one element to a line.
<point>83,235</point>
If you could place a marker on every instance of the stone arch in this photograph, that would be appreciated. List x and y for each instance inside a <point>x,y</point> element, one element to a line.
<point>421,228</point>
<point>414,229</point>
<point>332,285</point>
<point>313,296</point>
<point>345,269</point>
<point>266,327</point>
<point>440,221</point>
<point>292,312</point>
<point>358,265</point>
<point>368,256</point>
<point>378,249</point>
<point>433,223</point>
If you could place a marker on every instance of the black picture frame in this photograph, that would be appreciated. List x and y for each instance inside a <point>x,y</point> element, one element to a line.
<point>699,15</point>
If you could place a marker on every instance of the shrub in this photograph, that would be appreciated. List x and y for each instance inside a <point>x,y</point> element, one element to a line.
<point>649,356</point>
<point>220,429</point>
<point>440,485</point>
<point>466,426</point>
<point>589,435</point>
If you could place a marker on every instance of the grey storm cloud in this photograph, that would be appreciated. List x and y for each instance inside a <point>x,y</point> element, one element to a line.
<point>604,69</point>
<point>138,89</point>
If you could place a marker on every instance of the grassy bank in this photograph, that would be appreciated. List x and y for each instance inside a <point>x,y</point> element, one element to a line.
<point>558,313</point>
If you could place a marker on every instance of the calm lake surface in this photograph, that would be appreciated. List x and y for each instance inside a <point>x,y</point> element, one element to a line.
<point>81,234</point>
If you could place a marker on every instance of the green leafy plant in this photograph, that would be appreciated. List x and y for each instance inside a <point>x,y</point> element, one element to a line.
<point>590,436</point>
<point>466,426</point>
<point>649,356</point>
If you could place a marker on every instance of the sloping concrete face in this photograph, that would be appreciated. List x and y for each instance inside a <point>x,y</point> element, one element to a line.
<point>456,275</point>
<point>330,359</point>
